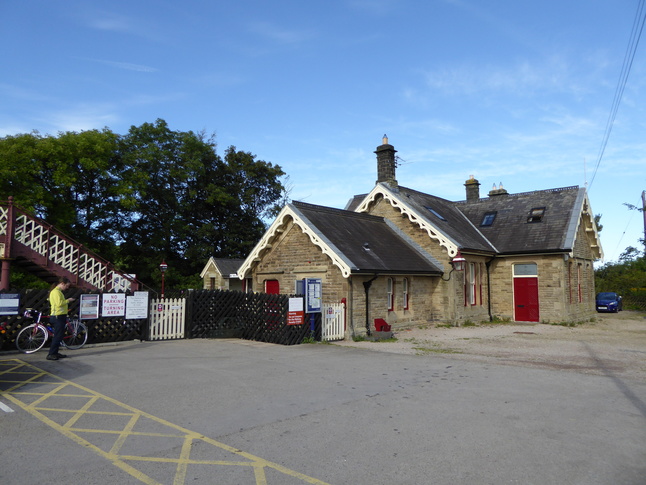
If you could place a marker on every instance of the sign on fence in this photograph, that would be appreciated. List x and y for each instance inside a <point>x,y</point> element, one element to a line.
<point>295,314</point>
<point>89,307</point>
<point>9,303</point>
<point>114,305</point>
<point>137,305</point>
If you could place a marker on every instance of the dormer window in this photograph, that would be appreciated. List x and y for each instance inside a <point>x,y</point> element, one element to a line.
<point>435,213</point>
<point>536,214</point>
<point>488,219</point>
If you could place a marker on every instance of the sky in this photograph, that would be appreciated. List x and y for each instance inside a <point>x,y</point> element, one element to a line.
<point>510,91</point>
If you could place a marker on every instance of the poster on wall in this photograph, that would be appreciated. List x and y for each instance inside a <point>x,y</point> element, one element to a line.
<point>137,305</point>
<point>313,295</point>
<point>89,308</point>
<point>113,305</point>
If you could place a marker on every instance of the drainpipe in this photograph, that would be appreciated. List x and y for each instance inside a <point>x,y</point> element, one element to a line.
<point>487,264</point>
<point>366,286</point>
<point>350,307</point>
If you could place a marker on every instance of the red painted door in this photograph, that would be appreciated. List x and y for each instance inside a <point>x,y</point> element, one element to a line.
<point>526,299</point>
<point>272,287</point>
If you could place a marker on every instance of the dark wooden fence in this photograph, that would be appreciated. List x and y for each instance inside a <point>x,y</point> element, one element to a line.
<point>251,316</point>
<point>210,314</point>
<point>99,331</point>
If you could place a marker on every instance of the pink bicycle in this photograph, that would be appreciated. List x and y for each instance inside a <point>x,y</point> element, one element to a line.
<point>33,337</point>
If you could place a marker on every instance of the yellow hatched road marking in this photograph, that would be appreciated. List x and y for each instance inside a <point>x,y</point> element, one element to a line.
<point>69,404</point>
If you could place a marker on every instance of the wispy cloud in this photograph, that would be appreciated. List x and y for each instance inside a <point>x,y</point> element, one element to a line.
<point>125,65</point>
<point>279,34</point>
<point>522,77</point>
<point>81,117</point>
<point>119,23</point>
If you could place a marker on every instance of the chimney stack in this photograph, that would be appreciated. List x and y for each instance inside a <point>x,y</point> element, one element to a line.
<point>473,189</point>
<point>386,163</point>
<point>498,191</point>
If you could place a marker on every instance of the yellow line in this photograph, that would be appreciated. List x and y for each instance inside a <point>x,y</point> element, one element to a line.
<point>189,437</point>
<point>182,463</point>
<point>80,412</point>
<point>124,434</point>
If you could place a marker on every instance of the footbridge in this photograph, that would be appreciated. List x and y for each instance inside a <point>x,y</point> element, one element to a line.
<point>29,242</point>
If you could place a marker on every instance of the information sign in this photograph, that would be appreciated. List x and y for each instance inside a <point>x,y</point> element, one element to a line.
<point>137,305</point>
<point>9,303</point>
<point>89,307</point>
<point>313,295</point>
<point>295,314</point>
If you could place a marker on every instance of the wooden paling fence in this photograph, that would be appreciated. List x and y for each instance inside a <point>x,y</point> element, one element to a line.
<point>167,319</point>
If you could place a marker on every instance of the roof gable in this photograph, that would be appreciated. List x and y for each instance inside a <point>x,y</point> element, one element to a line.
<point>224,266</point>
<point>356,243</point>
<point>502,224</point>
<point>439,217</point>
<point>530,222</point>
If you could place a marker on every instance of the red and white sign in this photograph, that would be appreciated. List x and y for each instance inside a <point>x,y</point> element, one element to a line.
<point>113,305</point>
<point>295,313</point>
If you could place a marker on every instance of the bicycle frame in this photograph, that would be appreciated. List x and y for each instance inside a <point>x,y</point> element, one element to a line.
<point>35,335</point>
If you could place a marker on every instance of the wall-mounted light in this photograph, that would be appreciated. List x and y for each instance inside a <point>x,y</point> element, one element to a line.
<point>163,267</point>
<point>458,263</point>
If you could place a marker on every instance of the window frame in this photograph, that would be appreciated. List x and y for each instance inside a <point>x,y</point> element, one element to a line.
<point>536,214</point>
<point>390,294</point>
<point>488,219</point>
<point>405,294</point>
<point>471,285</point>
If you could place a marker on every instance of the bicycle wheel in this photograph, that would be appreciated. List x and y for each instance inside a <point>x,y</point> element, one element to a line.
<point>75,335</point>
<point>31,338</point>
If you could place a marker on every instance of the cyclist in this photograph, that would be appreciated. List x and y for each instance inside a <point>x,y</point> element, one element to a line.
<point>58,316</point>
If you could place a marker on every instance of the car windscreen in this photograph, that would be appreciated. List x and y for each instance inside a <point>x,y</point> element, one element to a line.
<point>607,296</point>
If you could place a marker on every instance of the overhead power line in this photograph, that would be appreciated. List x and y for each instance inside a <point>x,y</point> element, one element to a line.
<point>635,35</point>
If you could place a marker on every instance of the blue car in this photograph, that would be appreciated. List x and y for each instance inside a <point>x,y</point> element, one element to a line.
<point>609,302</point>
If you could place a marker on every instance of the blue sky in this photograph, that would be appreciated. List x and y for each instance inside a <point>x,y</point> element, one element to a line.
<point>510,91</point>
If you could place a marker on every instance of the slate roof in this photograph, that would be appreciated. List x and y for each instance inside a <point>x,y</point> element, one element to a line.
<point>368,244</point>
<point>447,217</point>
<point>227,266</point>
<point>511,232</point>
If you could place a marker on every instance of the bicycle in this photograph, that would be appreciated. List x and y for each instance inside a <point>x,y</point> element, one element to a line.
<point>33,337</point>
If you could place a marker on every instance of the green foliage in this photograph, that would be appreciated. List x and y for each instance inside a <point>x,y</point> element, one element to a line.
<point>152,194</point>
<point>21,279</point>
<point>626,277</point>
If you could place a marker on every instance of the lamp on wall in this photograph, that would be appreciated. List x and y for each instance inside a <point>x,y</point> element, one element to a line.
<point>163,267</point>
<point>458,263</point>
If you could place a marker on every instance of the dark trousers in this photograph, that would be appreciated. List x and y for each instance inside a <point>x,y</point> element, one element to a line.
<point>58,324</point>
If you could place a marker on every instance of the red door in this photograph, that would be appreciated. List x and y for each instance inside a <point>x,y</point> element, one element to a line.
<point>272,287</point>
<point>526,299</point>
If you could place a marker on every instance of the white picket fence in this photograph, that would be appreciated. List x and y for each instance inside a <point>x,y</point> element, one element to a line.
<point>333,321</point>
<point>167,319</point>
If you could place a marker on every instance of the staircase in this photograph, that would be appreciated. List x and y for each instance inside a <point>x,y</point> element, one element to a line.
<point>40,249</point>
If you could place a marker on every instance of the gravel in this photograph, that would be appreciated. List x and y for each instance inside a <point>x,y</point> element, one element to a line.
<point>612,344</point>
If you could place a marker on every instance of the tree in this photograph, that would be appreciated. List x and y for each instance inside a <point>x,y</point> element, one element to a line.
<point>66,180</point>
<point>152,194</point>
